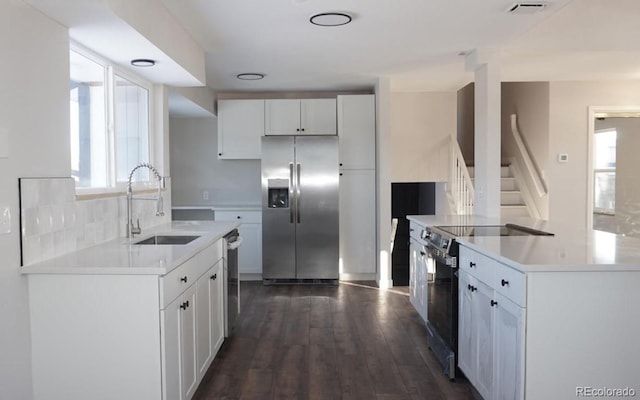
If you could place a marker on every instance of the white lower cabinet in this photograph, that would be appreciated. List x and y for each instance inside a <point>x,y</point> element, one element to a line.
<point>490,331</point>
<point>418,274</point>
<point>127,336</point>
<point>193,333</point>
<point>509,349</point>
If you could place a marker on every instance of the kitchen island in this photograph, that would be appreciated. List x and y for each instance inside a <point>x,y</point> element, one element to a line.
<point>129,321</point>
<point>547,317</point>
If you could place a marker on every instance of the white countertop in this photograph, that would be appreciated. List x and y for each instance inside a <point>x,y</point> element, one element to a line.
<point>571,249</point>
<point>121,257</point>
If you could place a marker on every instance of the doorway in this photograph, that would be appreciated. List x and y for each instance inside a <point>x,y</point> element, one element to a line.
<point>614,192</point>
<point>414,198</point>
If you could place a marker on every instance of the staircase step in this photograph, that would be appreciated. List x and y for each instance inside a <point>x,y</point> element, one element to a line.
<point>511,198</point>
<point>505,171</point>
<point>506,184</point>
<point>514,211</point>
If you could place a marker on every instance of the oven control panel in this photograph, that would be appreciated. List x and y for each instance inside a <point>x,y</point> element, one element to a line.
<point>436,239</point>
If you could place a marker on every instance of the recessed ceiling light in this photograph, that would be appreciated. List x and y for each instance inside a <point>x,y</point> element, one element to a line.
<point>250,76</point>
<point>330,19</point>
<point>143,62</point>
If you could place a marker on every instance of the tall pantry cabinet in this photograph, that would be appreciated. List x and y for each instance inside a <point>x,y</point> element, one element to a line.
<point>356,133</point>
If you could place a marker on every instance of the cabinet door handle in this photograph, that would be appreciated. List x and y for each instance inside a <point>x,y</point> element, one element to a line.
<point>302,129</point>
<point>422,253</point>
<point>472,264</point>
<point>219,154</point>
<point>214,276</point>
<point>494,303</point>
<point>184,305</point>
<point>469,287</point>
<point>183,279</point>
<point>297,129</point>
<point>238,217</point>
<point>504,283</point>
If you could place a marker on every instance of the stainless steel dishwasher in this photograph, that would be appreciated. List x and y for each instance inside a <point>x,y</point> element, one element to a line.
<point>232,286</point>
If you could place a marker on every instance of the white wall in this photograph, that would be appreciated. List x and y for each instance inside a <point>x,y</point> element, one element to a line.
<point>34,110</point>
<point>195,167</point>
<point>421,127</point>
<point>465,118</point>
<point>569,102</point>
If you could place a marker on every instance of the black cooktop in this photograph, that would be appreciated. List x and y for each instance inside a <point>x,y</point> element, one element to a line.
<point>492,230</point>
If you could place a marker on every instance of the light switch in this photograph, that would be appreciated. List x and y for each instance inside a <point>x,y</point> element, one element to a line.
<point>5,220</point>
<point>205,195</point>
<point>4,143</point>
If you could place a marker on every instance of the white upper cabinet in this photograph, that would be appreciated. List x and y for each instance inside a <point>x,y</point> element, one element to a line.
<point>300,117</point>
<point>357,131</point>
<point>240,127</point>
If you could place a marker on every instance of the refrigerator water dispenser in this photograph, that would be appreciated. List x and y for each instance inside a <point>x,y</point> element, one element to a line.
<point>278,193</point>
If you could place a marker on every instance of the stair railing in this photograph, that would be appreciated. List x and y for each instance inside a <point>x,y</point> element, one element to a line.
<point>460,186</point>
<point>529,165</point>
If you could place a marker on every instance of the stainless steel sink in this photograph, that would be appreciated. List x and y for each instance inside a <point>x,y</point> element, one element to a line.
<point>168,239</point>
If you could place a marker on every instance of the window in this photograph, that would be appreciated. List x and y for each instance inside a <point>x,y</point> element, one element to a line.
<point>605,171</point>
<point>110,122</point>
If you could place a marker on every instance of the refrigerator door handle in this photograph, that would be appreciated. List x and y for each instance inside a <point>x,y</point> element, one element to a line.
<point>298,192</point>
<point>291,194</point>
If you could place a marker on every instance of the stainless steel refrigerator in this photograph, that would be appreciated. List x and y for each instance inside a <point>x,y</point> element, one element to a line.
<point>300,231</point>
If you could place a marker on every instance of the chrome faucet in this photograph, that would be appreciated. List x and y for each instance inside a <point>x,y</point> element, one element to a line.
<point>131,230</point>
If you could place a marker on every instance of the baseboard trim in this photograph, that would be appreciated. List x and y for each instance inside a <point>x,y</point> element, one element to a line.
<point>358,277</point>
<point>250,277</point>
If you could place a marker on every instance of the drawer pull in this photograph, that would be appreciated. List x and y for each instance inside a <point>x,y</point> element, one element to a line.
<point>494,303</point>
<point>183,279</point>
<point>472,264</point>
<point>214,276</point>
<point>504,283</point>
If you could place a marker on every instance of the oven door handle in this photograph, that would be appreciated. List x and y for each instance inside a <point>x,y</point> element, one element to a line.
<point>434,253</point>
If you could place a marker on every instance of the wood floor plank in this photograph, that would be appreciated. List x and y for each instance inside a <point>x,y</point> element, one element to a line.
<point>355,381</point>
<point>293,373</point>
<point>259,385</point>
<point>324,382</point>
<point>349,342</point>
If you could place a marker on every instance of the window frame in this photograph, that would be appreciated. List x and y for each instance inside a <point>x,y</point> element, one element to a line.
<point>114,187</point>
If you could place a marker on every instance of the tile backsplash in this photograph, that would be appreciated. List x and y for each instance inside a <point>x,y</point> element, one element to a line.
<point>53,222</point>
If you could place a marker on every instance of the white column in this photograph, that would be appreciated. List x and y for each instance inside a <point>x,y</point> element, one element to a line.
<point>383,181</point>
<point>487,157</point>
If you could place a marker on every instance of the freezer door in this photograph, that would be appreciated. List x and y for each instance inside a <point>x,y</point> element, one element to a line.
<point>317,229</point>
<point>278,208</point>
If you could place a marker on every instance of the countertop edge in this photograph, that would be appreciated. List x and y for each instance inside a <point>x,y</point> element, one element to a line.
<point>47,268</point>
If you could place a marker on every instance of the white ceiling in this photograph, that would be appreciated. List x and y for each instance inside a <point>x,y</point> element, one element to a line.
<point>415,43</point>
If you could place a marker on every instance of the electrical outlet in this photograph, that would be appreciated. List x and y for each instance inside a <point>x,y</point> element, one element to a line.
<point>205,195</point>
<point>563,158</point>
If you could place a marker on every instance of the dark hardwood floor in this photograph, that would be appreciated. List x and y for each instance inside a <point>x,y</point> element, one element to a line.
<point>327,342</point>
